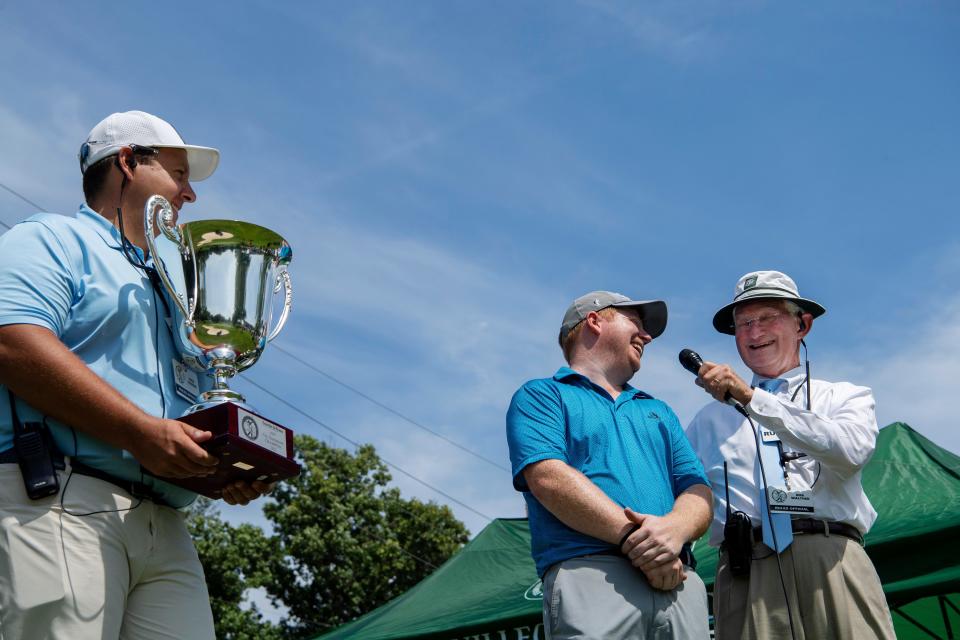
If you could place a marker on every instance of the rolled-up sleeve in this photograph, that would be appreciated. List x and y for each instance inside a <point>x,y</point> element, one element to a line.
<point>37,285</point>
<point>535,428</point>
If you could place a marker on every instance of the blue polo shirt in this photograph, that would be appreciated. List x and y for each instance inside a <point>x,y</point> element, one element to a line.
<point>69,275</point>
<point>632,448</point>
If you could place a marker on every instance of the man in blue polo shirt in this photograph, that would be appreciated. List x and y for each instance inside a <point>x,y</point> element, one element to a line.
<point>86,349</point>
<point>613,490</point>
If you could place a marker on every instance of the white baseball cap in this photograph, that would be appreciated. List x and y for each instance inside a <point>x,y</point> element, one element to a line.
<point>139,128</point>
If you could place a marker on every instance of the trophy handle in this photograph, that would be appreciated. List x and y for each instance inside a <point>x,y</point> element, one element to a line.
<point>170,230</point>
<point>283,278</point>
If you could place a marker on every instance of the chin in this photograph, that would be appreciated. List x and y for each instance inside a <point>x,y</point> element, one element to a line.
<point>769,370</point>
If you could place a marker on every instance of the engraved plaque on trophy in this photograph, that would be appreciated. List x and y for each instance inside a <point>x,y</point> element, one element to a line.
<point>232,270</point>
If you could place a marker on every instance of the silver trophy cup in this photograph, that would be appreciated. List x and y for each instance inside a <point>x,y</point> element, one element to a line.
<point>231,272</point>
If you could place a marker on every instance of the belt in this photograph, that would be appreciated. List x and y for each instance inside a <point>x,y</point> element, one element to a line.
<point>135,489</point>
<point>9,456</point>
<point>685,555</point>
<point>812,525</point>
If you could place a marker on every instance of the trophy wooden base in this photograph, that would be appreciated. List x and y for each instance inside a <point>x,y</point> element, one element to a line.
<point>249,447</point>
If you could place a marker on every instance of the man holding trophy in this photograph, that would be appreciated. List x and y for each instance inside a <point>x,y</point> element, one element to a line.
<point>93,381</point>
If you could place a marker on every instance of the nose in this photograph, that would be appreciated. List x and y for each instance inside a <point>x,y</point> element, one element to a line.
<point>755,329</point>
<point>188,193</point>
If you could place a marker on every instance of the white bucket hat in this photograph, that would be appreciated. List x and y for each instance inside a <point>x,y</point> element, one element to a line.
<point>120,130</point>
<point>763,285</point>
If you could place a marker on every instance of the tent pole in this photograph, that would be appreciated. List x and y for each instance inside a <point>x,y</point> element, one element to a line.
<point>917,624</point>
<point>946,618</point>
<point>950,604</point>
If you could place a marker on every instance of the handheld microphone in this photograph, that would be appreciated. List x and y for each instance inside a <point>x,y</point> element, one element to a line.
<point>737,530</point>
<point>691,361</point>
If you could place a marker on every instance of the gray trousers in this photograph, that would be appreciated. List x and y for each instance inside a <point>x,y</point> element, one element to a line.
<point>603,597</point>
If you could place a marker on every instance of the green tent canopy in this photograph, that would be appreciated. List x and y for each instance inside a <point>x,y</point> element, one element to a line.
<point>490,590</point>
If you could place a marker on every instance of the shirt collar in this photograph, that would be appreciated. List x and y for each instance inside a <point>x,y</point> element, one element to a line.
<point>109,233</point>
<point>795,377</point>
<point>566,372</point>
<point>569,376</point>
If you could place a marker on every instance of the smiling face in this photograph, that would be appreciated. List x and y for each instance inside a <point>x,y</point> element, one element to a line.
<point>626,339</point>
<point>768,336</point>
<point>168,175</point>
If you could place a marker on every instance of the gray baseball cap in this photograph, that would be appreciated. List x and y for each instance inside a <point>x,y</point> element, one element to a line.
<point>653,312</point>
<point>763,285</point>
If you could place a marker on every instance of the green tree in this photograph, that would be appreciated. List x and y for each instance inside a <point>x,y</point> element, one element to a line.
<point>343,544</point>
<point>234,560</point>
<point>347,542</point>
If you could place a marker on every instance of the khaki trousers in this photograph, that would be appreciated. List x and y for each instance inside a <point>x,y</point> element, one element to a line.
<point>832,586</point>
<point>603,597</point>
<point>131,574</point>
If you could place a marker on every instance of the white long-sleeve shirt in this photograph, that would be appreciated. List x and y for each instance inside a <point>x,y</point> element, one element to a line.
<point>838,434</point>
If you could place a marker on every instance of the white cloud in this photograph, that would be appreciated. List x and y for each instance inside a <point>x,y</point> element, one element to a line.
<point>672,36</point>
<point>258,598</point>
<point>484,488</point>
<point>44,168</point>
<point>914,378</point>
<point>450,311</point>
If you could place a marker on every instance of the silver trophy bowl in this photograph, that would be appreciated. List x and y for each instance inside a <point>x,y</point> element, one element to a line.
<point>231,272</point>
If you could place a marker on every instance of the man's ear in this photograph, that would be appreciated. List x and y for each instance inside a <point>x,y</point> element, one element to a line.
<point>806,323</point>
<point>126,162</point>
<point>592,322</point>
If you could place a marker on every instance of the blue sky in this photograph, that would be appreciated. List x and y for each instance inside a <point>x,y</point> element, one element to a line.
<point>452,174</point>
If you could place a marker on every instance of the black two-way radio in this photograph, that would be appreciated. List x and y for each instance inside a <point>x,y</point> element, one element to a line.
<point>737,534</point>
<point>34,447</point>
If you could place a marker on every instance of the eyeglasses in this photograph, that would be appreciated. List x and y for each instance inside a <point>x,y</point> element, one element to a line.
<point>140,150</point>
<point>762,322</point>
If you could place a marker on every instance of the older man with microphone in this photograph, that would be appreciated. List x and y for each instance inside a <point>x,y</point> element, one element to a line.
<point>785,463</point>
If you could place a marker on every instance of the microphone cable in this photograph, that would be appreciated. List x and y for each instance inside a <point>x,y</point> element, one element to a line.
<point>773,531</point>
<point>692,362</point>
<point>129,251</point>
<point>793,398</point>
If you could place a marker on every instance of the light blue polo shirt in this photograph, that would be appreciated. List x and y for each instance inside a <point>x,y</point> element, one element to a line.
<point>632,448</point>
<point>70,276</point>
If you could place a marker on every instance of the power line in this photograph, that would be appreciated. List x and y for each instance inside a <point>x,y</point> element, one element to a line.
<point>22,197</point>
<point>324,425</point>
<point>320,423</point>
<point>329,376</point>
<point>386,408</point>
<point>418,559</point>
